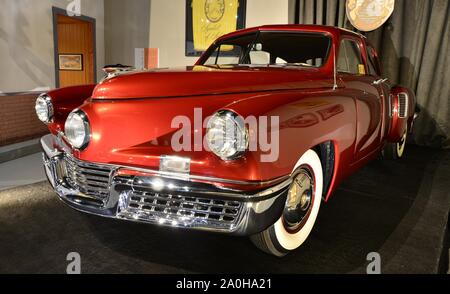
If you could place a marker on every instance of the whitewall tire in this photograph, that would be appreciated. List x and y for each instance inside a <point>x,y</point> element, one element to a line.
<point>300,212</point>
<point>396,150</point>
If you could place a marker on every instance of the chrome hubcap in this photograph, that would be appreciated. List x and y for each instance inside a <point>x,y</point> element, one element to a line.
<point>299,200</point>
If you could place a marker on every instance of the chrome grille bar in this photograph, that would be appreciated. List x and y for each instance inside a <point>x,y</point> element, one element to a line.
<point>90,179</point>
<point>174,206</point>
<point>402,105</point>
<point>148,205</point>
<point>185,205</point>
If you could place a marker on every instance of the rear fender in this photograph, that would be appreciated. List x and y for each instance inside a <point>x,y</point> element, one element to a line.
<point>402,111</point>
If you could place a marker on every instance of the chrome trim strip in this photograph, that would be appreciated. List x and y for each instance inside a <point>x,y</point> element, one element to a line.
<point>182,176</point>
<point>214,190</point>
<point>391,110</point>
<point>204,178</point>
<point>335,84</point>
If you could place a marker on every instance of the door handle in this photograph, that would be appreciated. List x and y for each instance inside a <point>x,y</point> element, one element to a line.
<point>379,82</point>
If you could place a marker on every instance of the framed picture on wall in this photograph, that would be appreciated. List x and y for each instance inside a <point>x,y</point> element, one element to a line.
<point>72,62</point>
<point>206,20</point>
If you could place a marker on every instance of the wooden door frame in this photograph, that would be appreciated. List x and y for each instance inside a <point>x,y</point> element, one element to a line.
<point>58,11</point>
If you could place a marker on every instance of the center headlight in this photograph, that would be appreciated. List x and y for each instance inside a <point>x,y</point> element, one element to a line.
<point>227,135</point>
<point>77,129</point>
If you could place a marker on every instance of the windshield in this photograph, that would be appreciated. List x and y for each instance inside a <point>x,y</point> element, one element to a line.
<point>270,48</point>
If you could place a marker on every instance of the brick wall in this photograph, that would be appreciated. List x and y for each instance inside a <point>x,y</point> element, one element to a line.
<point>18,120</point>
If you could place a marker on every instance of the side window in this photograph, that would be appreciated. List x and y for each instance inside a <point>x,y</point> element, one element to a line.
<point>342,63</point>
<point>350,58</point>
<point>225,54</point>
<point>373,63</point>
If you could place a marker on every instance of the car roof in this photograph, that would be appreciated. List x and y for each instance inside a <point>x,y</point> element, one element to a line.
<point>334,31</point>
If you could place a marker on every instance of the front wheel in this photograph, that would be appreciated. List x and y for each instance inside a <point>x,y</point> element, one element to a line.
<point>300,211</point>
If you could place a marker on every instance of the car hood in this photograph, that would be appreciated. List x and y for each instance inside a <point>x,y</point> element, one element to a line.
<point>206,80</point>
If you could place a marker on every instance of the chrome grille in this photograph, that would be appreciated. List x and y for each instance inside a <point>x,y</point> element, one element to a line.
<point>179,210</point>
<point>402,105</point>
<point>90,179</point>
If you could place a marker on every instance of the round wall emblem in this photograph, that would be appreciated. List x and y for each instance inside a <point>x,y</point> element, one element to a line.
<point>369,15</point>
<point>214,10</point>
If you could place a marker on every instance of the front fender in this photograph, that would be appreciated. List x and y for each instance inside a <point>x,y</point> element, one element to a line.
<point>65,100</point>
<point>307,119</point>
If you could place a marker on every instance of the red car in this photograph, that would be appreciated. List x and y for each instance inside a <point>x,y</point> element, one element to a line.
<point>249,141</point>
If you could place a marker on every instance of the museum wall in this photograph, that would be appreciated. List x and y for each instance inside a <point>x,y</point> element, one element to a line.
<point>18,119</point>
<point>126,28</point>
<point>26,42</point>
<point>27,63</point>
<point>168,26</point>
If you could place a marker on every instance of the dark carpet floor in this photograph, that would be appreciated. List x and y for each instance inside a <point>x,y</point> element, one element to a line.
<point>398,209</point>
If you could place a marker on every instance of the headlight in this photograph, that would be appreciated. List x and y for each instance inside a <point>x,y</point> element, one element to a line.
<point>227,135</point>
<point>44,108</point>
<point>77,129</point>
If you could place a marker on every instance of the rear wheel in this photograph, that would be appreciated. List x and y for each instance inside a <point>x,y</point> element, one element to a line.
<point>300,211</point>
<point>396,150</point>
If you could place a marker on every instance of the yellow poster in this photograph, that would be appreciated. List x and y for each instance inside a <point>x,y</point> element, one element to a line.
<point>212,19</point>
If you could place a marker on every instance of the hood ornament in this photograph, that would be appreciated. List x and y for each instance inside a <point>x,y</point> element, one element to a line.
<point>115,70</point>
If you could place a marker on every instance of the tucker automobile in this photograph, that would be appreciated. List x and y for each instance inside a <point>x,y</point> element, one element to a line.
<point>110,151</point>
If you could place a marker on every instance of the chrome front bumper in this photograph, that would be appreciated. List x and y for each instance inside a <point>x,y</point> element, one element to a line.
<point>165,199</point>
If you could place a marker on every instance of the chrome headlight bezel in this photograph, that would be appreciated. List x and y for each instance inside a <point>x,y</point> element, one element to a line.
<point>44,104</point>
<point>241,136</point>
<point>77,119</point>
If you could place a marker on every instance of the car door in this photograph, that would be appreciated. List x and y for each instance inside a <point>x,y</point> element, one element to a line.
<point>352,70</point>
<point>383,86</point>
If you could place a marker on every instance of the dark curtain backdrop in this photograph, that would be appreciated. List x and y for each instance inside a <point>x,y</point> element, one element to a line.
<point>415,52</point>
